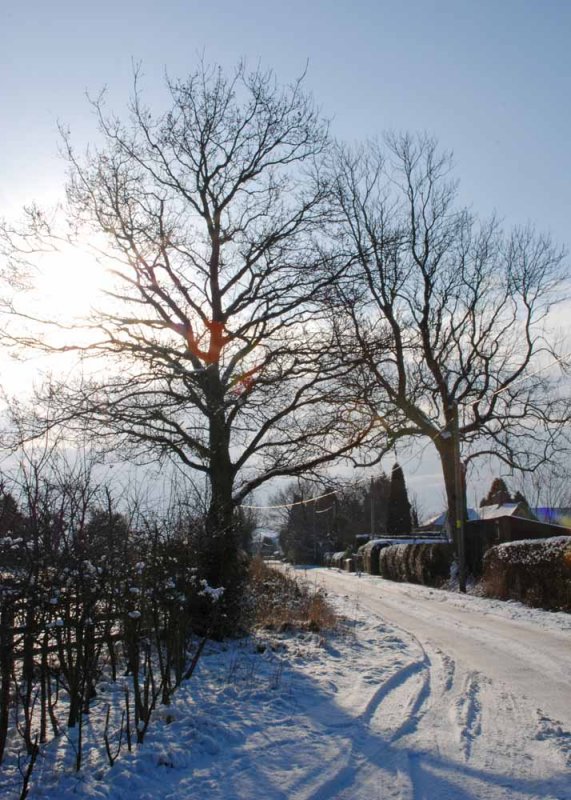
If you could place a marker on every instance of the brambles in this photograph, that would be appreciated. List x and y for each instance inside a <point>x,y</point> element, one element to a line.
<point>89,594</point>
<point>277,601</point>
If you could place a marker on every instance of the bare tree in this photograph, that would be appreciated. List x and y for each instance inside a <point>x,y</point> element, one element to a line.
<point>548,490</point>
<point>218,356</point>
<point>446,315</point>
<point>316,519</point>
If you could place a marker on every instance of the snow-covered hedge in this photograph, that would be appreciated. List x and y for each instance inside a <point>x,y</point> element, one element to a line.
<point>428,564</point>
<point>337,559</point>
<point>536,572</point>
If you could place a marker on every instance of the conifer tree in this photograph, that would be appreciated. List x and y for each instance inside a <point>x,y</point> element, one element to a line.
<point>398,517</point>
<point>519,497</point>
<point>498,494</point>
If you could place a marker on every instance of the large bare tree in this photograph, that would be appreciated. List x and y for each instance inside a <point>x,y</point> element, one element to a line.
<point>211,217</point>
<point>446,315</point>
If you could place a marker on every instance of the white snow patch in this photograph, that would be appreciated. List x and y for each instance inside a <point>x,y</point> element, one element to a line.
<point>372,711</point>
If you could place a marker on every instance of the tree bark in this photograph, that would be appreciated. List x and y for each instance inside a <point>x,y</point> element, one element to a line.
<point>221,565</point>
<point>445,448</point>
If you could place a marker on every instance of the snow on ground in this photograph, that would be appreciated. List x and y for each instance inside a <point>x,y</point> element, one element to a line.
<point>371,712</point>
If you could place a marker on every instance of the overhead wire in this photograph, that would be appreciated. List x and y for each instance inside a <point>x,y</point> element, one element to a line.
<point>350,484</point>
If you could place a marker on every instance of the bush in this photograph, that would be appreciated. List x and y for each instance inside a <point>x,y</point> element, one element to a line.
<point>279,602</point>
<point>428,564</point>
<point>536,572</point>
<point>87,592</point>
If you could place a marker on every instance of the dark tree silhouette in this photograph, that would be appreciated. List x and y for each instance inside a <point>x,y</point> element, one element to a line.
<point>218,356</point>
<point>519,497</point>
<point>498,494</point>
<point>334,521</point>
<point>399,518</point>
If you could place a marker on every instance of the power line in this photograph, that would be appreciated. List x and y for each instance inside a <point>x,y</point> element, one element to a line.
<point>557,360</point>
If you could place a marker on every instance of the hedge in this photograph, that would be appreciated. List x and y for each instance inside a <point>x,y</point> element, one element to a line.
<point>536,572</point>
<point>428,564</point>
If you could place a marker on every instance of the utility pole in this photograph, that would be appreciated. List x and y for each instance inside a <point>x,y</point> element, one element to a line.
<point>372,510</point>
<point>459,492</point>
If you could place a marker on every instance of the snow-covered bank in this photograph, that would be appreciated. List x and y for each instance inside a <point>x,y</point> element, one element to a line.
<point>372,712</point>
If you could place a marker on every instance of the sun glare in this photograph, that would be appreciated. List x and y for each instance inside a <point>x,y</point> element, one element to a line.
<point>69,285</point>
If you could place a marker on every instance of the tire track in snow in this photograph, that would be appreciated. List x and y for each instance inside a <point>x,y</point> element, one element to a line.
<point>402,701</point>
<point>366,748</point>
<point>552,732</point>
<point>406,693</point>
<point>471,731</point>
<point>468,713</point>
<point>396,681</point>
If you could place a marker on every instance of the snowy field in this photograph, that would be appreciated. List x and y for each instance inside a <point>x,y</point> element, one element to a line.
<point>420,695</point>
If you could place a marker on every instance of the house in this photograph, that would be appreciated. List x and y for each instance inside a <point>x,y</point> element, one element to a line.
<point>496,511</point>
<point>482,534</point>
<point>438,521</point>
<point>508,522</point>
<point>521,510</point>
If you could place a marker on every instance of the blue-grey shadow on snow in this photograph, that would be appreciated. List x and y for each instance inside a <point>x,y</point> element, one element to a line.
<point>315,726</point>
<point>362,750</point>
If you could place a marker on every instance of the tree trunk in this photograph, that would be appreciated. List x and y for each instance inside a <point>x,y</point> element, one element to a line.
<point>446,453</point>
<point>220,559</point>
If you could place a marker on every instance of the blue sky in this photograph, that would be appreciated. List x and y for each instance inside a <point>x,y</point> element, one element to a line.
<point>491,80</point>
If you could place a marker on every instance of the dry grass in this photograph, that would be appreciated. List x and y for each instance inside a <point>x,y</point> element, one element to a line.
<point>277,601</point>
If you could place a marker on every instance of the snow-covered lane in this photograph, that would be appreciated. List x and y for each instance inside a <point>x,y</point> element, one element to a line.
<point>521,653</point>
<point>483,710</point>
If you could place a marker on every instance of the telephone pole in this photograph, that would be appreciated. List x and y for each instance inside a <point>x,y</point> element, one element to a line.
<point>372,509</point>
<point>459,492</point>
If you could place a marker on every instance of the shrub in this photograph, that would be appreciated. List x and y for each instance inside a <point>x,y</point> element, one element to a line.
<point>536,572</point>
<point>428,564</point>
<point>277,601</point>
<point>87,592</point>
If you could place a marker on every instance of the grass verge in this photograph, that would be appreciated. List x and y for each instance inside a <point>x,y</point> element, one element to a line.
<point>277,601</point>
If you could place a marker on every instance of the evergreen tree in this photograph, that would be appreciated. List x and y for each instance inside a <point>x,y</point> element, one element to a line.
<point>398,516</point>
<point>11,519</point>
<point>381,487</point>
<point>520,498</point>
<point>498,494</point>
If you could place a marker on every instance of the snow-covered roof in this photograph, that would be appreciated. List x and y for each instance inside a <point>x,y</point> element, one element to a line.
<point>439,520</point>
<point>497,510</point>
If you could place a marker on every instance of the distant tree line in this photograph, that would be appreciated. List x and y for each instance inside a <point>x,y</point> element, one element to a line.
<point>338,515</point>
